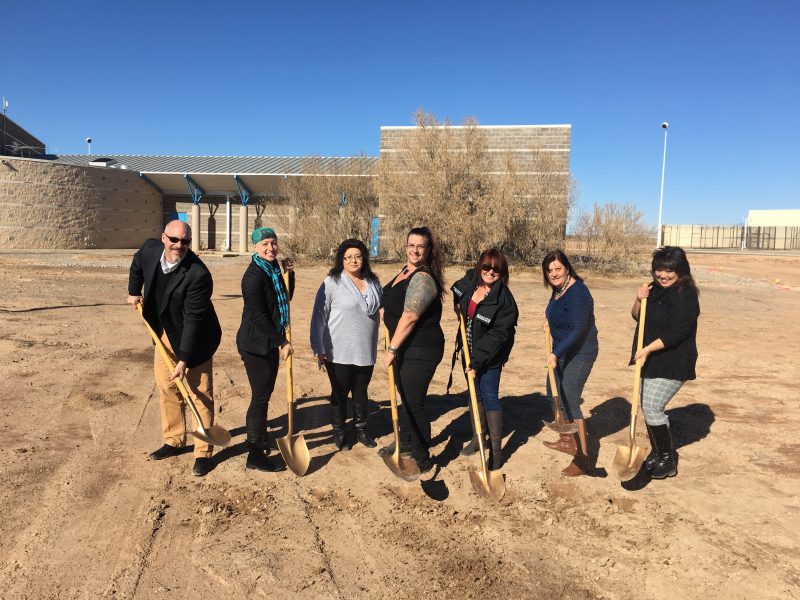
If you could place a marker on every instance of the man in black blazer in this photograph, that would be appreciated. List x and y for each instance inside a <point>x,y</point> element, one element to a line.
<point>177,305</point>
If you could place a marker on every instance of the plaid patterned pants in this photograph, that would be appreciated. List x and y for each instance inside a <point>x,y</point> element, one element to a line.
<point>656,394</point>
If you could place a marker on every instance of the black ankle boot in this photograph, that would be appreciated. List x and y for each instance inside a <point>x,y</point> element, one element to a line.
<point>652,458</point>
<point>667,464</point>
<point>257,435</point>
<point>363,437</point>
<point>257,460</point>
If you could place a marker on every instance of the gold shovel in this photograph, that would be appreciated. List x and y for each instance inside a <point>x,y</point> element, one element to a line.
<point>404,468</point>
<point>560,424</point>
<point>486,483</point>
<point>628,459</point>
<point>214,435</point>
<point>293,447</point>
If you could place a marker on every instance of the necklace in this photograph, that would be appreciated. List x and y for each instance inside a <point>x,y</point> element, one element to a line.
<point>563,288</point>
<point>486,293</point>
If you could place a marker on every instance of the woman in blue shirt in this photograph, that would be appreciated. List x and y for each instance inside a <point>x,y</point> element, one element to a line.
<point>570,317</point>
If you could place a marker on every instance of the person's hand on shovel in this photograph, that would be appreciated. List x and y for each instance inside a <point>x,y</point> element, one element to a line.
<point>552,361</point>
<point>286,351</point>
<point>134,301</point>
<point>389,358</point>
<point>179,372</point>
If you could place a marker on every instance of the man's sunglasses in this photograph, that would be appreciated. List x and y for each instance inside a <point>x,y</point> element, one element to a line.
<point>183,241</point>
<point>486,268</point>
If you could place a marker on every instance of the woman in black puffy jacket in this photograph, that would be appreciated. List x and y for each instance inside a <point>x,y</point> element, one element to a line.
<point>490,313</point>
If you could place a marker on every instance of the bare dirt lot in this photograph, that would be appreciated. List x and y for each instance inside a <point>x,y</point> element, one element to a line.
<point>86,515</point>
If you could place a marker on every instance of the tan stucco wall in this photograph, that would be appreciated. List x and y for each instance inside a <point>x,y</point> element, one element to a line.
<point>49,205</point>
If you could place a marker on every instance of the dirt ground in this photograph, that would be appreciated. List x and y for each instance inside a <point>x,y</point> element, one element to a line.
<point>86,515</point>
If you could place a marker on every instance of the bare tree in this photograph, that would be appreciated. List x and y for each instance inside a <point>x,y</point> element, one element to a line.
<point>612,237</point>
<point>446,178</point>
<point>327,207</point>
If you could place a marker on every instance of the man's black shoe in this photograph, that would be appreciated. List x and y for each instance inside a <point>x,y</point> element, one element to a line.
<point>166,451</point>
<point>202,467</point>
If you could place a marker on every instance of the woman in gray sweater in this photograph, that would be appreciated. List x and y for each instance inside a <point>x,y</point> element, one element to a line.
<point>344,336</point>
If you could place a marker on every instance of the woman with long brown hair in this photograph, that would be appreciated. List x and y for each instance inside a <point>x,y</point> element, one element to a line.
<point>412,311</point>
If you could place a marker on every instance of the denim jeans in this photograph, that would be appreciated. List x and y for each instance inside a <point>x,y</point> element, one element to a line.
<point>487,387</point>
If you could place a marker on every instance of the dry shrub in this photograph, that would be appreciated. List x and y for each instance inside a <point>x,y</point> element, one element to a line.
<point>611,238</point>
<point>446,178</point>
<point>317,221</point>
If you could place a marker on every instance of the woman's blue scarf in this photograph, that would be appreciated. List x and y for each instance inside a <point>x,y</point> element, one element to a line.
<point>275,273</point>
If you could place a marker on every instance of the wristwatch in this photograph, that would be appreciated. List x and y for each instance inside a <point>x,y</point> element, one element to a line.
<point>392,349</point>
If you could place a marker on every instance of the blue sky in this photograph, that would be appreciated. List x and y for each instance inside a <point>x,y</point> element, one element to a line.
<point>320,78</point>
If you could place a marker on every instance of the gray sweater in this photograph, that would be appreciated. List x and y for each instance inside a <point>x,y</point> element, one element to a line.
<point>342,327</point>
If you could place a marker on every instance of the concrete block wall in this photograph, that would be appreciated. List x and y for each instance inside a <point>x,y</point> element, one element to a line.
<point>48,205</point>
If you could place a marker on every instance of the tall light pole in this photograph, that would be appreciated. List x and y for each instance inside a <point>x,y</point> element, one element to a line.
<point>665,127</point>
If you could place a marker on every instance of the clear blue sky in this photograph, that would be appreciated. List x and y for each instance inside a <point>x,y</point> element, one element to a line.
<point>320,78</point>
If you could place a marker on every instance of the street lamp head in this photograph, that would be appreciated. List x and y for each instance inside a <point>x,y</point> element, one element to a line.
<point>665,125</point>
<point>89,140</point>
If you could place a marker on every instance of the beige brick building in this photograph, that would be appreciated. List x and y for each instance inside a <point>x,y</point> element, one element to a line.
<point>80,201</point>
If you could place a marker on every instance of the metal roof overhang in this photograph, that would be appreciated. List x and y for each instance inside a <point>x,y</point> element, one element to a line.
<point>216,184</point>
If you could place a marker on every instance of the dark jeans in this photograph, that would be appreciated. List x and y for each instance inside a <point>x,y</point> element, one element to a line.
<point>487,388</point>
<point>347,379</point>
<point>414,370</point>
<point>571,376</point>
<point>262,371</point>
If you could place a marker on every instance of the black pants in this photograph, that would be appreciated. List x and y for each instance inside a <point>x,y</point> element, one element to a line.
<point>347,379</point>
<point>262,371</point>
<point>414,370</point>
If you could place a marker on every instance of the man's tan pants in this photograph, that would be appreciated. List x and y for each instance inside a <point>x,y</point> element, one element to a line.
<point>200,383</point>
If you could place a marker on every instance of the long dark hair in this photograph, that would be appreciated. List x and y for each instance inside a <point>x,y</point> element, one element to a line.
<point>338,263</point>
<point>673,258</point>
<point>557,255</point>
<point>493,256</point>
<point>434,260</point>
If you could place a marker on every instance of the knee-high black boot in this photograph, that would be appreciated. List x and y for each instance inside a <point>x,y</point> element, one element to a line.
<point>338,417</point>
<point>667,464</point>
<point>360,420</point>
<point>652,458</point>
<point>494,418</point>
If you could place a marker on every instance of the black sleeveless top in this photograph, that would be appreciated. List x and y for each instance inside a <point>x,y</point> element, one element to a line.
<point>427,331</point>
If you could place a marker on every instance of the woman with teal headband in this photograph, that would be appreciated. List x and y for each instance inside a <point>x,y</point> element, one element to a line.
<point>262,338</point>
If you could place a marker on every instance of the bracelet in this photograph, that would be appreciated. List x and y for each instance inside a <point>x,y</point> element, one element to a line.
<point>391,349</point>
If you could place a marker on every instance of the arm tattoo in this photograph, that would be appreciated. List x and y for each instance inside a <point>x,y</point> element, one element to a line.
<point>420,293</point>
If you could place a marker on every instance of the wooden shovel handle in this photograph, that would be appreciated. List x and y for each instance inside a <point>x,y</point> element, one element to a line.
<point>637,379</point>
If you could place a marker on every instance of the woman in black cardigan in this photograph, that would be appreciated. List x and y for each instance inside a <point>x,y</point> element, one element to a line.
<point>670,351</point>
<point>262,337</point>
<point>490,314</point>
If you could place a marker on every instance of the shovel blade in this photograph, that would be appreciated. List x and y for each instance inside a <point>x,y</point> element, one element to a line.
<point>214,435</point>
<point>490,485</point>
<point>402,467</point>
<point>628,460</point>
<point>294,451</point>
